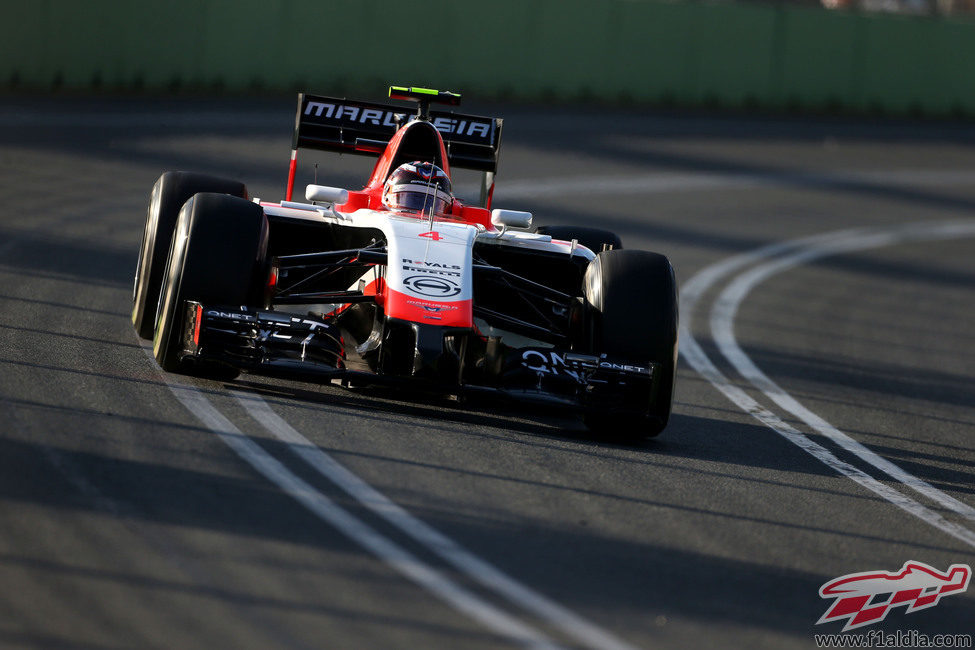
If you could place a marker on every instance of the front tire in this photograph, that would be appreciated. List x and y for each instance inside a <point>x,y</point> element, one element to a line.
<point>218,257</point>
<point>169,193</point>
<point>632,297</point>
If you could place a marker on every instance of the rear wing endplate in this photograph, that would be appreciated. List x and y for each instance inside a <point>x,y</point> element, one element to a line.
<point>347,126</point>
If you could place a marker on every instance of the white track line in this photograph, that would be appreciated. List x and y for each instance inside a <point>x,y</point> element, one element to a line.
<point>722,326</point>
<point>484,573</point>
<point>796,252</point>
<point>398,558</point>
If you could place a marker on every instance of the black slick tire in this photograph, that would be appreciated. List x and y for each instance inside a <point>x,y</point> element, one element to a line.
<point>169,193</point>
<point>218,257</point>
<point>632,297</point>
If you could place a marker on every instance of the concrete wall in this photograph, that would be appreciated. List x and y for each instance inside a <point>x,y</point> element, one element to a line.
<point>683,53</point>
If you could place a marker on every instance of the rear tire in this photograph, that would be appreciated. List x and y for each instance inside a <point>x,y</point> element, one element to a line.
<point>170,192</point>
<point>218,257</point>
<point>632,296</point>
<point>592,238</point>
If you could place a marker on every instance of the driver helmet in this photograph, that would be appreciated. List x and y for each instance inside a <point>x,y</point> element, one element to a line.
<point>418,187</point>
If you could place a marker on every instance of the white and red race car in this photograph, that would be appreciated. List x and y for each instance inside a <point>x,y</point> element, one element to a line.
<point>461,299</point>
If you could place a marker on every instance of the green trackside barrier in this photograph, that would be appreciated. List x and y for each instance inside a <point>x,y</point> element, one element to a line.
<point>688,53</point>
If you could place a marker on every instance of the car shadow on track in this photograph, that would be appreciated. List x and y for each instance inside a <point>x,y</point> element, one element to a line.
<point>375,401</point>
<point>687,438</point>
<point>478,416</point>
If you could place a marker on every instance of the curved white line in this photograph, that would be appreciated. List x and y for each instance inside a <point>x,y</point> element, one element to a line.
<point>694,290</point>
<point>459,557</point>
<point>410,566</point>
<point>722,326</point>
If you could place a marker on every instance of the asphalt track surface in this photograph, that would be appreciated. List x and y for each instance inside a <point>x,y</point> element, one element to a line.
<point>824,421</point>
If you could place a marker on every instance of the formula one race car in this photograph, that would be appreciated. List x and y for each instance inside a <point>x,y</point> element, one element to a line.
<point>402,282</point>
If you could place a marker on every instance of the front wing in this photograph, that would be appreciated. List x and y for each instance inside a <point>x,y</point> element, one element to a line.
<point>441,360</point>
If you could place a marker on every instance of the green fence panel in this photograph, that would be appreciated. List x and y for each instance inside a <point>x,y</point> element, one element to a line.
<point>23,50</point>
<point>954,74</point>
<point>656,58</point>
<point>897,61</point>
<point>918,64</point>
<point>686,53</point>
<point>734,46</point>
<point>816,65</point>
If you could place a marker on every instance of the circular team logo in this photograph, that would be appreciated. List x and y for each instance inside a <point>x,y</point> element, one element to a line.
<point>432,286</point>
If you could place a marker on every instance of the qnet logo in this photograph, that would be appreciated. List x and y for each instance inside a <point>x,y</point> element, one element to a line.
<point>866,598</point>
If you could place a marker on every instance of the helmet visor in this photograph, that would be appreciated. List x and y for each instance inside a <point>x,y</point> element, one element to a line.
<point>414,201</point>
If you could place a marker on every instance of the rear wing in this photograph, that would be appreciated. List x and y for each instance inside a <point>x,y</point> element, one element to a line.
<point>346,126</point>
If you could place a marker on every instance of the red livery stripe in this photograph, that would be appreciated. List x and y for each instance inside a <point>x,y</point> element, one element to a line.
<point>420,310</point>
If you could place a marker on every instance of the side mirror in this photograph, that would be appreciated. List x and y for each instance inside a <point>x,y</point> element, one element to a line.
<point>325,194</point>
<point>511,218</point>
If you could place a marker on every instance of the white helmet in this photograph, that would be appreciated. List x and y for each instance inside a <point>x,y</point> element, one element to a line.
<point>418,187</point>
